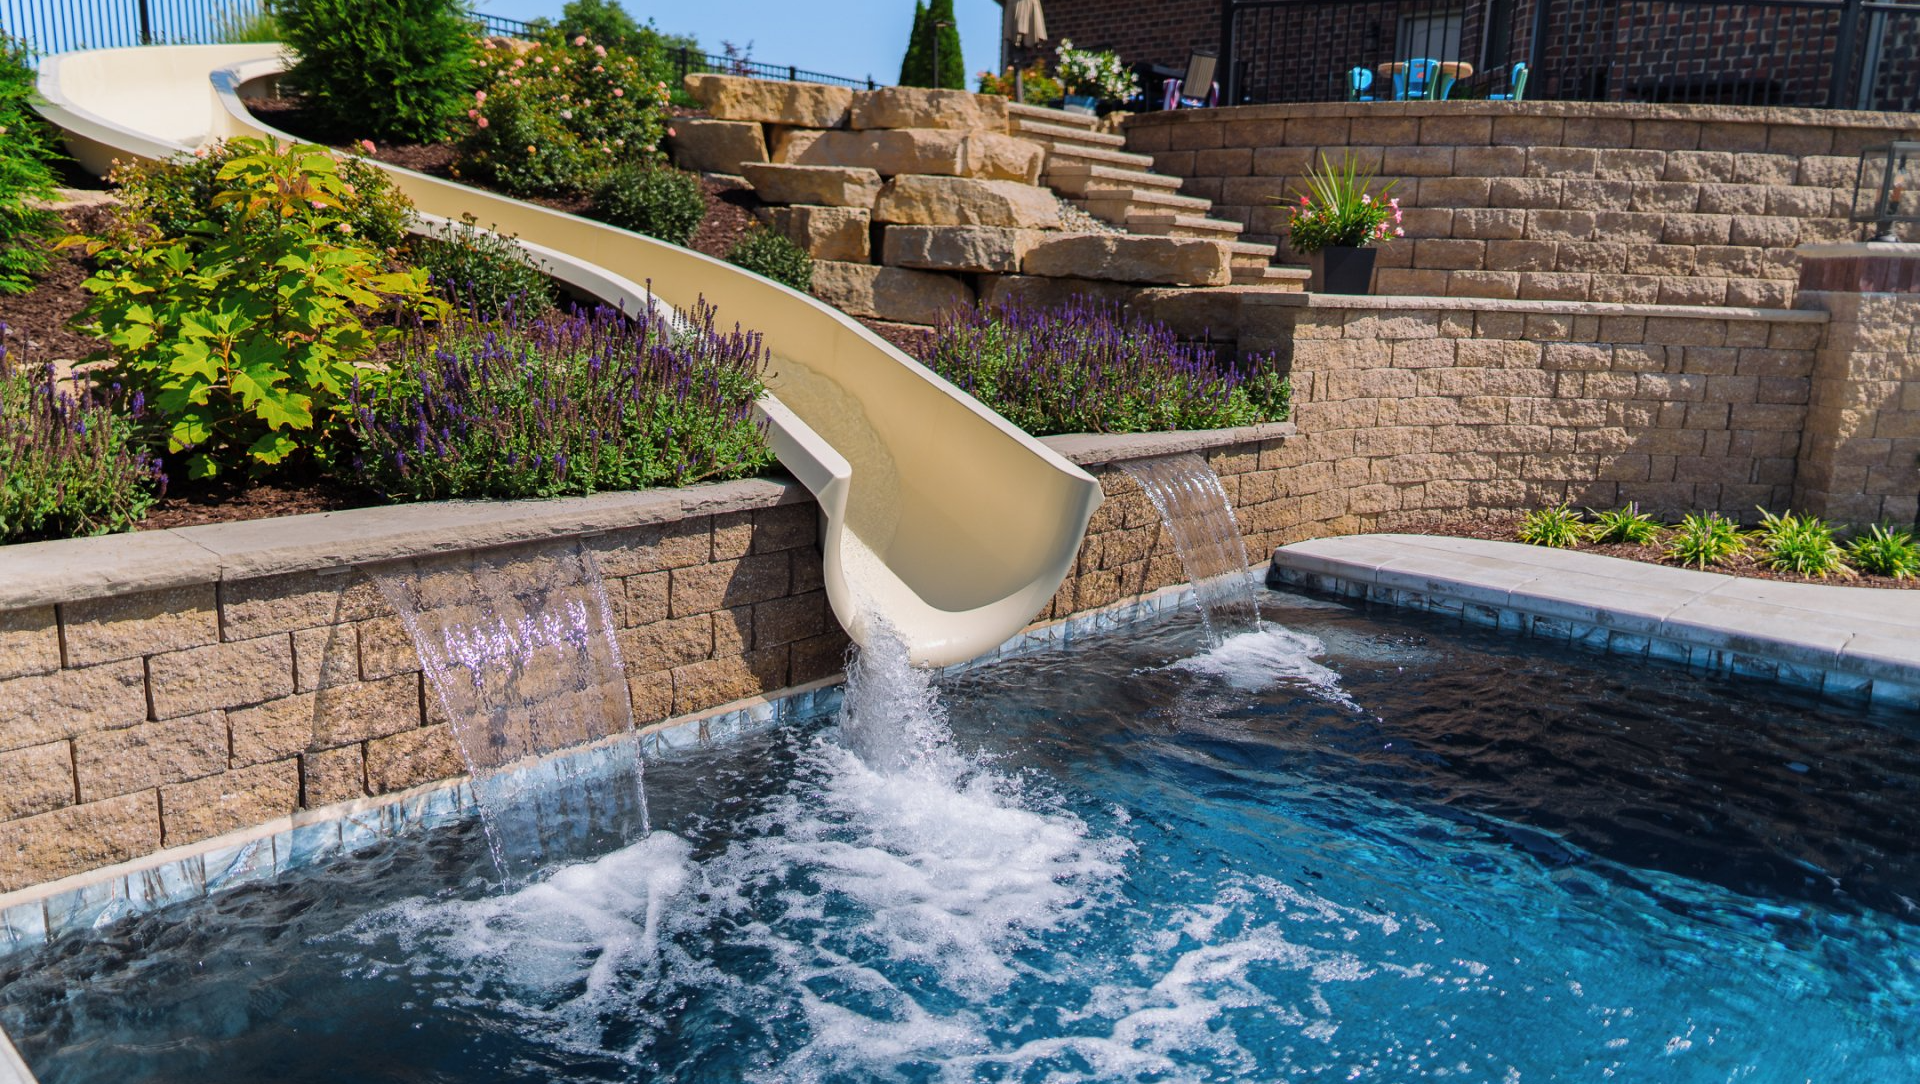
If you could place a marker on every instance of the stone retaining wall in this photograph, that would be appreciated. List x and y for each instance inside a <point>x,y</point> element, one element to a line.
<point>1669,204</point>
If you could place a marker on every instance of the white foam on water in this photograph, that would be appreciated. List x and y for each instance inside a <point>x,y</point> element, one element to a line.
<point>1268,657</point>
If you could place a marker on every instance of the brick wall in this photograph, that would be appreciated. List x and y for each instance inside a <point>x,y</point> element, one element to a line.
<point>1163,32</point>
<point>1549,200</point>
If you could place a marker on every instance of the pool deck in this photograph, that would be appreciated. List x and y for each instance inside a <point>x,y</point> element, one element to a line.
<point>1856,642</point>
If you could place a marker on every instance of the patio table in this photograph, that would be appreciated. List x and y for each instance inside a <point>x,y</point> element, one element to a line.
<point>1453,69</point>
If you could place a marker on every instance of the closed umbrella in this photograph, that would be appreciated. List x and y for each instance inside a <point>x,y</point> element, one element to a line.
<point>1022,24</point>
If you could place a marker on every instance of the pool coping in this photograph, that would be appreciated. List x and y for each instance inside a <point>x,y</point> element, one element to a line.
<point>1858,643</point>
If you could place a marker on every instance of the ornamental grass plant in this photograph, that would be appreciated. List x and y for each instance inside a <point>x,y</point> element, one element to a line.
<point>1087,367</point>
<point>1803,545</point>
<point>565,404</point>
<point>1884,550</point>
<point>1628,526</point>
<point>1340,209</point>
<point>1559,527</point>
<point>1705,538</point>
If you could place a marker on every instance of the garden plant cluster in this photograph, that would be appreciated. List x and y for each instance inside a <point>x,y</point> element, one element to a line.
<point>1783,542</point>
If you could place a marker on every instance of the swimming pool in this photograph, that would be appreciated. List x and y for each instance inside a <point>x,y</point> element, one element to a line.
<point>1362,846</point>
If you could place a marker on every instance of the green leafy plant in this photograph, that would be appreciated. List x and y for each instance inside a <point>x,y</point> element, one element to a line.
<point>1340,208</point>
<point>1094,73</point>
<point>569,404</point>
<point>653,199</point>
<point>26,175</point>
<point>765,252</point>
<point>1703,539</point>
<point>1628,526</point>
<point>251,27</point>
<point>1885,551</point>
<point>177,196</point>
<point>1560,526</point>
<point>1041,88</point>
<point>70,461</point>
<point>1800,544</point>
<point>244,339</point>
<point>483,270</point>
<point>557,117</point>
<point>392,69</point>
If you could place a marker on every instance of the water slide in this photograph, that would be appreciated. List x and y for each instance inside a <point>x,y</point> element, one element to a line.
<point>937,516</point>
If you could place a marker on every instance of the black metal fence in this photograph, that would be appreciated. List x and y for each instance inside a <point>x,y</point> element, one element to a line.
<point>1844,54</point>
<point>57,26</point>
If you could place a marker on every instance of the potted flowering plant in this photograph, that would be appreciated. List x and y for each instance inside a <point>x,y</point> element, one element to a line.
<point>1336,221</point>
<point>1090,77</point>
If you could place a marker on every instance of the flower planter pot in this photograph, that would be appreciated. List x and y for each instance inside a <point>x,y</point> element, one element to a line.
<point>1080,103</point>
<point>1339,269</point>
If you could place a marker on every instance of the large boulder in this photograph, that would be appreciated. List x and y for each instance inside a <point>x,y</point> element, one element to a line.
<point>963,201</point>
<point>1119,257</point>
<point>925,107</point>
<point>943,152</point>
<point>769,101</point>
<point>957,248</point>
<point>1050,292</point>
<point>716,146</point>
<point>823,186</point>
<point>888,293</point>
<point>827,233</point>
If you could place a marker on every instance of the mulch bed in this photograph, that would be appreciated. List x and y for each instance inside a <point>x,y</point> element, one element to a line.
<point>1502,526</point>
<point>189,504</point>
<point>36,321</point>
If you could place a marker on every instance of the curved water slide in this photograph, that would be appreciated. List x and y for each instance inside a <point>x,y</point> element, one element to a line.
<point>939,518</point>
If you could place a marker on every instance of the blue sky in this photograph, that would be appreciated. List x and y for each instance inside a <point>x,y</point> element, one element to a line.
<point>853,38</point>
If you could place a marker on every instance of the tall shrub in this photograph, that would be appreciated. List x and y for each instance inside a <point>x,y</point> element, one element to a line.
<point>26,149</point>
<point>389,69</point>
<point>916,67</point>
<point>935,36</point>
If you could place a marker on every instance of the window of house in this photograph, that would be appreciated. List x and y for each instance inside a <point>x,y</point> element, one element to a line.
<point>1435,35</point>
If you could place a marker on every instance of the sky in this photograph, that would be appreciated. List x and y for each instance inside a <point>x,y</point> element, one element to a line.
<point>852,38</point>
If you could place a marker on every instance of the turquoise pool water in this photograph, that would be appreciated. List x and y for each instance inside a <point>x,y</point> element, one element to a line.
<point>1363,846</point>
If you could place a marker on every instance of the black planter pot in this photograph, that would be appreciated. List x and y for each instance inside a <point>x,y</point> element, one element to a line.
<point>1338,269</point>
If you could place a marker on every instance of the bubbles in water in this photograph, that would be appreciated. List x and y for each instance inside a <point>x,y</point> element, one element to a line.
<point>1256,661</point>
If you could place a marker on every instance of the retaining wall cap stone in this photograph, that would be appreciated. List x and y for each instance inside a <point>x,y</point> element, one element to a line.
<point>1288,299</point>
<point>1703,114</point>
<point>1094,449</point>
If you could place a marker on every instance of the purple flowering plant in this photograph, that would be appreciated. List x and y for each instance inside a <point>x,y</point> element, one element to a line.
<point>561,404</point>
<point>1087,367</point>
<point>71,462</point>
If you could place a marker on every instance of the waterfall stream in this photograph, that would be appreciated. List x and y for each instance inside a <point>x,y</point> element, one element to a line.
<point>1194,508</point>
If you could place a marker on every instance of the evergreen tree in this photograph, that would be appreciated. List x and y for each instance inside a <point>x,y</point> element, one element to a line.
<point>953,65</point>
<point>916,68</point>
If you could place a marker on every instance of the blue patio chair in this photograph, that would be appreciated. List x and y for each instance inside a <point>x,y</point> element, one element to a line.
<point>1416,80</point>
<point>1516,86</point>
<point>1359,81</point>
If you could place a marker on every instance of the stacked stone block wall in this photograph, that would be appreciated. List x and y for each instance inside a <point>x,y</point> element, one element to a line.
<point>1861,461</point>
<point>1549,200</point>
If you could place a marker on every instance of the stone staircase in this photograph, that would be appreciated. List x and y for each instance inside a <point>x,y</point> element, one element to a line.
<point>1093,170</point>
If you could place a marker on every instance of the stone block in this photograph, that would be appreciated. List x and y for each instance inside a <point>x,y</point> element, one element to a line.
<point>326,719</point>
<point>826,233</point>
<point>716,146</point>
<point>710,684</point>
<point>795,617</point>
<point>46,707</point>
<point>1037,291</point>
<point>786,527</point>
<point>646,599</point>
<point>233,799</point>
<point>77,838</point>
<point>1490,161</point>
<point>333,775</point>
<point>926,107</point>
<point>942,152</point>
<point>957,248</point>
<point>299,600</point>
<point>35,780</point>
<point>112,762</point>
<point>820,186</point>
<point>410,758</point>
<point>1697,229</point>
<point>221,676</point>
<point>962,201</point>
<point>705,588</point>
<point>770,101</point>
<point>129,626</point>
<point>1176,261</point>
<point>667,644</point>
<point>1417,162</point>
<point>29,642</point>
<point>888,293</point>
<point>325,656</point>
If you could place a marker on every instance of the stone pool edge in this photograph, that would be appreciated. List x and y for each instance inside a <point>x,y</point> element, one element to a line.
<point>30,917</point>
<point>1849,642</point>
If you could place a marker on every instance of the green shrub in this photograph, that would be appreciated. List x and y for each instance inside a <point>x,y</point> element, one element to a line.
<point>244,339</point>
<point>26,174</point>
<point>1626,525</point>
<point>1703,539</point>
<point>656,200</point>
<point>69,465</point>
<point>767,253</point>
<point>1886,551</point>
<point>484,271</point>
<point>558,117</point>
<point>572,404</point>
<point>1800,544</point>
<point>252,27</point>
<point>392,69</point>
<point>177,197</point>
<point>1560,526</point>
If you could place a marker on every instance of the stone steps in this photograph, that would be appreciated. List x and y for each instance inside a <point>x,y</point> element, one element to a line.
<point>1021,112</point>
<point>1162,224</point>
<point>1074,137</point>
<point>1140,199</point>
<point>1058,154</point>
<point>1074,178</point>
<point>1281,279</point>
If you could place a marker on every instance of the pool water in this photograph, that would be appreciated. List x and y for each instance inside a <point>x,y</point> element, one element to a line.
<point>1361,845</point>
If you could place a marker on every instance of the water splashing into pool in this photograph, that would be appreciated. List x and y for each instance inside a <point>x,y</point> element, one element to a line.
<point>1194,508</point>
<point>518,647</point>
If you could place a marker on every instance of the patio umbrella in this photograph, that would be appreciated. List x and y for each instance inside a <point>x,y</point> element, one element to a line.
<point>1022,24</point>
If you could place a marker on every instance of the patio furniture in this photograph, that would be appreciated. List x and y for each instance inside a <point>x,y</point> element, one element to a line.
<point>1516,86</point>
<point>1200,68</point>
<point>1424,77</point>
<point>1359,81</point>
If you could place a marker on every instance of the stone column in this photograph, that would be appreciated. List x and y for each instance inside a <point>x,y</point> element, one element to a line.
<point>1860,453</point>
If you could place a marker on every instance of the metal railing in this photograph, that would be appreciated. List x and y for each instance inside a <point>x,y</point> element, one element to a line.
<point>57,26</point>
<point>1837,54</point>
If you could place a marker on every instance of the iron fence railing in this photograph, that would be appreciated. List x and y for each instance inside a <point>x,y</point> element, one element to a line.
<point>1848,54</point>
<point>57,26</point>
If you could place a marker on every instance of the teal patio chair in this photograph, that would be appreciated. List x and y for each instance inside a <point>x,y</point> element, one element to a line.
<point>1359,82</point>
<point>1420,79</point>
<point>1516,86</point>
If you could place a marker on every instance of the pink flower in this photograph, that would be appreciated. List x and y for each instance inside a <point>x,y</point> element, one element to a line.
<point>482,122</point>
<point>599,67</point>
<point>473,114</point>
<point>1394,203</point>
<point>581,40</point>
<point>1365,199</point>
<point>1304,201</point>
<point>519,63</point>
<point>599,50</point>
<point>671,132</point>
<point>1398,232</point>
<point>480,96</point>
<point>367,145</point>
<point>618,93</point>
<point>344,228</point>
